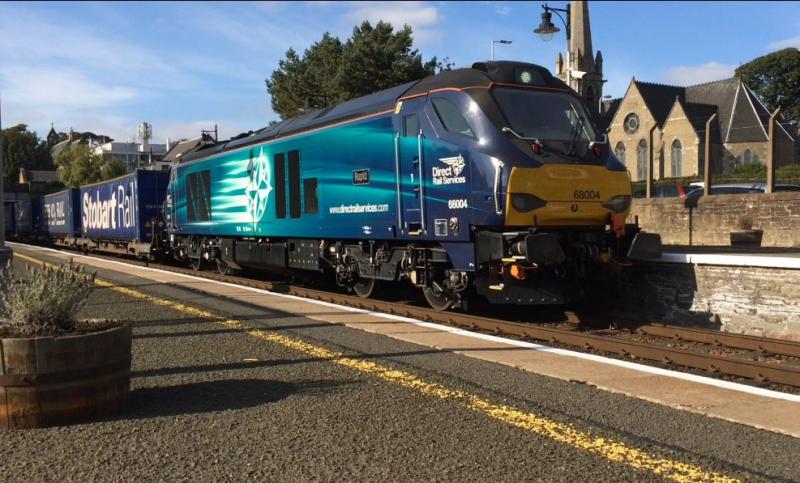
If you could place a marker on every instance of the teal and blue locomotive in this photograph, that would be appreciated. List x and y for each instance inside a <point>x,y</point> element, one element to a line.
<point>492,180</point>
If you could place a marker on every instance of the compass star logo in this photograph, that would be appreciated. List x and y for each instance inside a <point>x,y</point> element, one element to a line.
<point>258,188</point>
<point>456,162</point>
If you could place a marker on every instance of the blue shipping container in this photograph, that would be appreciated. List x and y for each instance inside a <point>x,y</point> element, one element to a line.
<point>123,208</point>
<point>60,213</point>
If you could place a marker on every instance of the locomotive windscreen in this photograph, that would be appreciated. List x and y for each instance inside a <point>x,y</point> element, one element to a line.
<point>545,115</point>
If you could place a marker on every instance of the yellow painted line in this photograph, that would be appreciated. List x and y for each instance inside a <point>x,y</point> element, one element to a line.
<point>563,433</point>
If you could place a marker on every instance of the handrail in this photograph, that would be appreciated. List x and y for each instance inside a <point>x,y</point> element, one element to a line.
<point>397,176</point>
<point>421,182</point>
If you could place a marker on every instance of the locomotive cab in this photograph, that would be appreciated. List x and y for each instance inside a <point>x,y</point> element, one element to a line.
<point>562,196</point>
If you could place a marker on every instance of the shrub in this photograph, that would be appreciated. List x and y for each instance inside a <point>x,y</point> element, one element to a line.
<point>749,171</point>
<point>45,302</point>
<point>745,223</point>
<point>788,172</point>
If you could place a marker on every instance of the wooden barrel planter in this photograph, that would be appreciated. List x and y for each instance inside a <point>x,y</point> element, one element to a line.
<point>48,381</point>
<point>747,238</point>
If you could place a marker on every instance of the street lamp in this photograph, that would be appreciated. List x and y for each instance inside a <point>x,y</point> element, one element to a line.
<point>547,28</point>
<point>5,252</point>
<point>505,42</point>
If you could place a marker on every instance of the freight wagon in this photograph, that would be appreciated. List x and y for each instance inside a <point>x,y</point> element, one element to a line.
<point>60,220</point>
<point>123,215</point>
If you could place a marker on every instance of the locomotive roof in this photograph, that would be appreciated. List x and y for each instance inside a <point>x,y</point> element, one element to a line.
<point>481,74</point>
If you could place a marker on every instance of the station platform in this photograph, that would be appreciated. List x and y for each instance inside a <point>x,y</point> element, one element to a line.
<point>767,257</point>
<point>361,387</point>
<point>744,291</point>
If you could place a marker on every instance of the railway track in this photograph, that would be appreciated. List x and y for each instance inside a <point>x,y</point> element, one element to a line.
<point>769,362</point>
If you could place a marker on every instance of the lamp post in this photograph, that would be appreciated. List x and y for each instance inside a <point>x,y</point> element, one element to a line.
<point>505,42</point>
<point>547,28</point>
<point>5,252</point>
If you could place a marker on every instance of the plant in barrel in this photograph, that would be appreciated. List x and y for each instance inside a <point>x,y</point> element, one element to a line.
<point>746,236</point>
<point>57,369</point>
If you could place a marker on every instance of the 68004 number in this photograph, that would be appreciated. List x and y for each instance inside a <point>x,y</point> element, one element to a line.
<point>458,204</point>
<point>586,195</point>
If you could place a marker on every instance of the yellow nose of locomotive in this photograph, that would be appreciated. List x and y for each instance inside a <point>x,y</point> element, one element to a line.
<point>566,195</point>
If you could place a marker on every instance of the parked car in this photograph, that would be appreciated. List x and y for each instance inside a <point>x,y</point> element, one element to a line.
<point>735,189</point>
<point>666,191</point>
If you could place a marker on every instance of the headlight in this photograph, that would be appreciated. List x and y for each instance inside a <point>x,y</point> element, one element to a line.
<point>618,204</point>
<point>524,202</point>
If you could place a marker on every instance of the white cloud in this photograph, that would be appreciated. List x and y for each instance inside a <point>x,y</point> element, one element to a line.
<point>686,76</point>
<point>784,44</point>
<point>34,40</point>
<point>88,78</point>
<point>502,10</point>
<point>422,17</point>
<point>249,30</point>
<point>39,88</point>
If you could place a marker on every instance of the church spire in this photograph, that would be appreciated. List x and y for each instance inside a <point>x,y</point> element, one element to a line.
<point>580,41</point>
<point>581,69</point>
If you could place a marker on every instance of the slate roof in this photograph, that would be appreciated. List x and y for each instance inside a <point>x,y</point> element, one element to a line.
<point>36,176</point>
<point>741,116</point>
<point>659,98</point>
<point>698,114</point>
<point>721,93</point>
<point>180,148</point>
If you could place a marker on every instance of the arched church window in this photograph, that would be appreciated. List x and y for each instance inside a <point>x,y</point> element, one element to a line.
<point>590,97</point>
<point>677,158</point>
<point>747,157</point>
<point>641,160</point>
<point>619,151</point>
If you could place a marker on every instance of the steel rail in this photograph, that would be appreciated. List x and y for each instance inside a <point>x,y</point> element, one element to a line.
<point>757,370</point>
<point>739,341</point>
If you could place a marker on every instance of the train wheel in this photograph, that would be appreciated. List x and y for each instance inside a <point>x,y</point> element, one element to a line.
<point>196,264</point>
<point>437,298</point>
<point>364,287</point>
<point>225,269</point>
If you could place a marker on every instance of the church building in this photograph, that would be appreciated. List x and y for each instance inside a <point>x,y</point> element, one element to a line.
<point>670,121</point>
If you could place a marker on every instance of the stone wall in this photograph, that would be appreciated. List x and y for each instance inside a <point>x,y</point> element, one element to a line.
<point>714,217</point>
<point>749,300</point>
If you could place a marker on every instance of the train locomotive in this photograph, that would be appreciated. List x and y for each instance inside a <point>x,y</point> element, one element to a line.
<point>491,180</point>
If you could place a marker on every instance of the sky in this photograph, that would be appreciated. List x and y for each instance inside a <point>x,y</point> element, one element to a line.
<point>183,66</point>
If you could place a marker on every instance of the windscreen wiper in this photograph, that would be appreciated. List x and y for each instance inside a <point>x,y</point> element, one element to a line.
<point>575,135</point>
<point>516,135</point>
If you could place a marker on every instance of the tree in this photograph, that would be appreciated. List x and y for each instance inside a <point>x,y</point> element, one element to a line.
<point>23,149</point>
<point>775,78</point>
<point>378,58</point>
<point>330,72</point>
<point>310,82</point>
<point>78,165</point>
